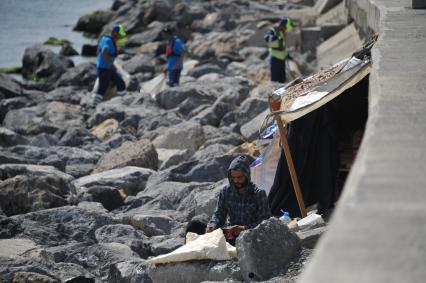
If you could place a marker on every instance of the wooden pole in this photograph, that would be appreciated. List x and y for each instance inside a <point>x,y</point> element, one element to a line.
<point>274,107</point>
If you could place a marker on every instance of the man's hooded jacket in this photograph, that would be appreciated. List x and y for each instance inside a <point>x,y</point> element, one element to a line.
<point>248,208</point>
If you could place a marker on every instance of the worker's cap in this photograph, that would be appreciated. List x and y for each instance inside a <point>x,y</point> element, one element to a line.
<point>118,28</point>
<point>283,20</point>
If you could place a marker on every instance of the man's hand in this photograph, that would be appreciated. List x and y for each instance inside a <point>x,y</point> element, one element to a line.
<point>210,227</point>
<point>237,229</point>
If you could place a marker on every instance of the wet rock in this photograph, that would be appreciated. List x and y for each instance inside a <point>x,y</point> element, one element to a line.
<point>67,50</point>
<point>81,76</point>
<point>188,135</point>
<point>196,271</point>
<point>39,62</point>
<point>129,272</point>
<point>266,251</point>
<point>131,179</point>
<point>141,154</point>
<point>9,87</point>
<point>124,234</point>
<point>94,22</point>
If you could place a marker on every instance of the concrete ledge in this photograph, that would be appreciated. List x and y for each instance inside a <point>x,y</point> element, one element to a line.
<point>377,232</point>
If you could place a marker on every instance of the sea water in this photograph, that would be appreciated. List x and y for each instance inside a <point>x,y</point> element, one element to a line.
<point>24,23</point>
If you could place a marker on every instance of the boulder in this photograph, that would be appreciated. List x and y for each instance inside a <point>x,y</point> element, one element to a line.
<point>165,244</point>
<point>44,118</point>
<point>124,234</point>
<point>210,170</point>
<point>94,22</point>
<point>32,277</point>
<point>209,152</point>
<point>266,250</point>
<point>8,104</point>
<point>171,157</point>
<point>152,223</point>
<point>57,156</point>
<point>188,135</point>
<point>21,192</point>
<point>118,140</point>
<point>221,136</point>
<point>196,271</point>
<point>204,69</point>
<point>172,97</point>
<point>129,272</point>
<point>10,138</point>
<point>68,50</point>
<point>108,196</point>
<point>81,76</point>
<point>67,94</point>
<point>62,224</point>
<point>39,62</point>
<point>15,247</point>
<point>139,64</point>
<point>140,154</point>
<point>153,33</point>
<point>105,130</point>
<point>43,140</point>
<point>77,136</point>
<point>248,110</point>
<point>131,179</point>
<point>9,87</point>
<point>250,130</point>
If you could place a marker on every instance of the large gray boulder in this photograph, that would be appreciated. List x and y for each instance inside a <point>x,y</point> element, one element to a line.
<point>222,135</point>
<point>173,97</point>
<point>131,179</point>
<point>57,156</point>
<point>195,271</point>
<point>188,135</point>
<point>266,251</point>
<point>10,138</point>
<point>140,154</point>
<point>139,64</point>
<point>46,118</point>
<point>30,188</point>
<point>211,170</point>
<point>205,69</point>
<point>8,104</point>
<point>129,272</point>
<point>63,225</point>
<point>124,234</point>
<point>9,87</point>
<point>82,76</point>
<point>39,62</point>
<point>94,22</point>
<point>77,136</point>
<point>68,94</point>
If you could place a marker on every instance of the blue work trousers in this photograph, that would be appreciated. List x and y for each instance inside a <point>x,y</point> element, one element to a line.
<point>105,77</point>
<point>277,70</point>
<point>174,76</point>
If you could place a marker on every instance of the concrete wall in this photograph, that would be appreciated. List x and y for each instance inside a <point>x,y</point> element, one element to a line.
<point>378,230</point>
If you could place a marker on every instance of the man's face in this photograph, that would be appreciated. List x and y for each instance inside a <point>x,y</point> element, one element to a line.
<point>239,179</point>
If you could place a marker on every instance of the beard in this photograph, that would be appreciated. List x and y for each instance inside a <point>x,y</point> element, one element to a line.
<point>241,185</point>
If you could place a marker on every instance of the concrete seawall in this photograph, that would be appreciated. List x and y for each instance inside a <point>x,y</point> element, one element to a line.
<point>377,232</point>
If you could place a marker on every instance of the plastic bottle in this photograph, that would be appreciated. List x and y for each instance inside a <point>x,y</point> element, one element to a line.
<point>286,217</point>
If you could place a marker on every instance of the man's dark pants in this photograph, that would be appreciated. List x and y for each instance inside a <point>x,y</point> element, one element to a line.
<point>277,70</point>
<point>174,76</point>
<point>107,75</point>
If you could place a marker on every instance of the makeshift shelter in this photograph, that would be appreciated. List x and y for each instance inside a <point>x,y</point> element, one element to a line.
<point>319,112</point>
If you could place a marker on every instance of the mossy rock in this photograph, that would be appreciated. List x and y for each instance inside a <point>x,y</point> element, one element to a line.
<point>68,50</point>
<point>57,41</point>
<point>11,70</point>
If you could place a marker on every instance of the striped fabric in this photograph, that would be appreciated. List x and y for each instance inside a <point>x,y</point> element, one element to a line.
<point>97,100</point>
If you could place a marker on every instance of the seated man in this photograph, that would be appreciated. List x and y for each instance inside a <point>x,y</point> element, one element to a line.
<point>242,202</point>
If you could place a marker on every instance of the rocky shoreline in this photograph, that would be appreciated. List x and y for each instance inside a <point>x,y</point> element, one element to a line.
<point>87,194</point>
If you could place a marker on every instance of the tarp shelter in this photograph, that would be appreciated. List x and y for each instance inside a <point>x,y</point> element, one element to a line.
<point>306,111</point>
